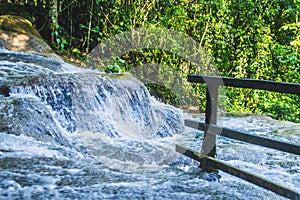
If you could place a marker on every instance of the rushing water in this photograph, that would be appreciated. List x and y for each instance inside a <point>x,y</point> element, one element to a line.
<point>69,133</point>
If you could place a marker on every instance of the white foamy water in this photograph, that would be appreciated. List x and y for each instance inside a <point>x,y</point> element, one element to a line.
<point>67,133</point>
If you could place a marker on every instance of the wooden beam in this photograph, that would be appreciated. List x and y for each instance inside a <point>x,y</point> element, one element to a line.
<point>250,177</point>
<point>245,137</point>
<point>209,142</point>
<point>282,87</point>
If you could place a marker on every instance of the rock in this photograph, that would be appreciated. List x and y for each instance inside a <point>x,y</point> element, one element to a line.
<point>18,34</point>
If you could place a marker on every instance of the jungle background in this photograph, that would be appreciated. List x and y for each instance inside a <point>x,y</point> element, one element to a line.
<point>257,39</point>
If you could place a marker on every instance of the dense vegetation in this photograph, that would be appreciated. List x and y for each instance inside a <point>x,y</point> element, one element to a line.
<point>257,39</point>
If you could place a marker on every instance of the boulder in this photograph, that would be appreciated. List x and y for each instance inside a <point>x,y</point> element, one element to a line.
<point>18,34</point>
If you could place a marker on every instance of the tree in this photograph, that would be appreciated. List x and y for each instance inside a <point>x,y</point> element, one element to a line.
<point>53,12</point>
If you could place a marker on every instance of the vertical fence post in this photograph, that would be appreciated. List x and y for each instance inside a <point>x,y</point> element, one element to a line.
<point>209,142</point>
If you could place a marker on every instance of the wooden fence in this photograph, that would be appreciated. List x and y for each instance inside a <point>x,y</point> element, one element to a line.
<point>206,158</point>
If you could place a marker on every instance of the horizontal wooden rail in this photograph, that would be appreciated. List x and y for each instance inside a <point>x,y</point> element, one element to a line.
<point>208,163</point>
<point>245,137</point>
<point>250,177</point>
<point>288,88</point>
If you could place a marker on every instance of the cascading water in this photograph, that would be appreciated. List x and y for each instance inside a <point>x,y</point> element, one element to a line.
<point>67,132</point>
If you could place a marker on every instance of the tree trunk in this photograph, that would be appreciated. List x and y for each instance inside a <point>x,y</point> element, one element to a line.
<point>53,19</point>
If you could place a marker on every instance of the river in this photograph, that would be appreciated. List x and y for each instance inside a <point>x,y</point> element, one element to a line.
<point>71,133</point>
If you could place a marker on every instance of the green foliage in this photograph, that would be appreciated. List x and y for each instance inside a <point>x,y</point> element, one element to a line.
<point>163,94</point>
<point>256,39</point>
<point>60,40</point>
<point>117,66</point>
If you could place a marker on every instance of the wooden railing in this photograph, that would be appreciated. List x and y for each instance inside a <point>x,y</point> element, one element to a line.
<point>206,157</point>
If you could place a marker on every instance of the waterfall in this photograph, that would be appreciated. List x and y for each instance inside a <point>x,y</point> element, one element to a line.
<point>49,99</point>
<point>67,132</point>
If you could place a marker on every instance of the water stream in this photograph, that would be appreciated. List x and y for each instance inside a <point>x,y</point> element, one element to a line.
<point>70,133</point>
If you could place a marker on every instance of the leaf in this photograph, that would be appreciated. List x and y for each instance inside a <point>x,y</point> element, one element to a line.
<point>121,61</point>
<point>76,50</point>
<point>96,29</point>
<point>110,67</point>
<point>83,26</point>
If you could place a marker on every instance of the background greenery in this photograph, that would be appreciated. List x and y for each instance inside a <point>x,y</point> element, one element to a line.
<point>257,39</point>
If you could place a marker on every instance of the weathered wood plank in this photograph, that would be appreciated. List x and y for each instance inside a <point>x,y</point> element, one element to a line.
<point>250,177</point>
<point>245,137</point>
<point>282,87</point>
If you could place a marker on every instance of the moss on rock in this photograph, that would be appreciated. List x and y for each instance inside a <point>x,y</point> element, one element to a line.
<point>18,34</point>
<point>18,24</point>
